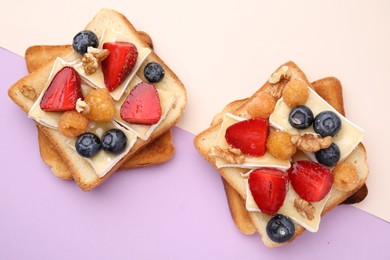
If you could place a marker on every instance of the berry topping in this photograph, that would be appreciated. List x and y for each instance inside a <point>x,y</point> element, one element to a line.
<point>153,72</point>
<point>249,136</point>
<point>262,105</point>
<point>114,141</point>
<point>328,156</point>
<point>346,177</point>
<point>83,40</point>
<point>279,144</point>
<point>142,105</point>
<point>72,124</point>
<point>63,91</point>
<point>280,228</point>
<point>100,107</point>
<point>311,181</point>
<point>295,93</point>
<point>269,188</point>
<point>88,145</point>
<point>327,123</point>
<point>119,63</point>
<point>301,117</point>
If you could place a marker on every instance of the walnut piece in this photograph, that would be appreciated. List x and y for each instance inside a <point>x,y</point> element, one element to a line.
<point>28,91</point>
<point>281,73</point>
<point>311,142</point>
<point>305,208</point>
<point>276,90</point>
<point>82,106</point>
<point>92,58</point>
<point>230,155</point>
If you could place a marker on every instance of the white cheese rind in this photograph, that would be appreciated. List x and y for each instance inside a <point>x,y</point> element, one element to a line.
<point>97,79</point>
<point>250,162</point>
<point>48,119</point>
<point>103,161</point>
<point>349,136</point>
<point>288,208</point>
<point>144,131</point>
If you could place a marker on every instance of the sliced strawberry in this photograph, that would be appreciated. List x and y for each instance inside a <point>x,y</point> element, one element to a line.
<point>311,181</point>
<point>249,136</point>
<point>142,105</point>
<point>63,91</point>
<point>119,63</point>
<point>269,188</point>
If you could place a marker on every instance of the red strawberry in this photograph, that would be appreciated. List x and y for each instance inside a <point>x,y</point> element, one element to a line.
<point>63,91</point>
<point>310,180</point>
<point>119,63</point>
<point>269,188</point>
<point>249,136</point>
<point>142,105</point>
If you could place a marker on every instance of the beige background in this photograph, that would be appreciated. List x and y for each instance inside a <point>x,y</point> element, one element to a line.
<point>225,50</point>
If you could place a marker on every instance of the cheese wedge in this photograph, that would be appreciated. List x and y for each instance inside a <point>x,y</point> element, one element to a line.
<point>250,162</point>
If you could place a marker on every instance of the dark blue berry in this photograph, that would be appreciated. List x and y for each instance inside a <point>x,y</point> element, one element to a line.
<point>153,72</point>
<point>328,156</point>
<point>301,117</point>
<point>280,228</point>
<point>327,123</point>
<point>88,145</point>
<point>114,141</point>
<point>83,40</point>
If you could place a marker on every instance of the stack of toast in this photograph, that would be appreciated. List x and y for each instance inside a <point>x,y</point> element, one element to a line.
<point>246,219</point>
<point>146,144</point>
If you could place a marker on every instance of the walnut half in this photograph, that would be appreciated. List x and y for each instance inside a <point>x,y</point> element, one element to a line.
<point>230,155</point>
<point>92,58</point>
<point>311,142</point>
<point>305,208</point>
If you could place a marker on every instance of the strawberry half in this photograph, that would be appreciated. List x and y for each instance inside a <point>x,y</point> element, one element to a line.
<point>142,105</point>
<point>249,136</point>
<point>63,91</point>
<point>311,181</point>
<point>119,63</point>
<point>269,188</point>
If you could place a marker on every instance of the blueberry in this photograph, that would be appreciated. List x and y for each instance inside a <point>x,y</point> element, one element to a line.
<point>328,156</point>
<point>327,123</point>
<point>114,141</point>
<point>280,228</point>
<point>83,40</point>
<point>153,72</point>
<point>301,117</point>
<point>88,145</point>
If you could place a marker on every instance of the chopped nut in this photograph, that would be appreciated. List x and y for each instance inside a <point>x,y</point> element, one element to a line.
<point>279,74</point>
<point>230,155</point>
<point>82,106</point>
<point>100,54</point>
<point>28,92</point>
<point>311,142</point>
<point>276,89</point>
<point>92,58</point>
<point>305,208</point>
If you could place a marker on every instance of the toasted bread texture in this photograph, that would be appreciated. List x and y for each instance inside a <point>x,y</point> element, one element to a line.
<point>330,89</point>
<point>207,139</point>
<point>83,173</point>
<point>157,152</point>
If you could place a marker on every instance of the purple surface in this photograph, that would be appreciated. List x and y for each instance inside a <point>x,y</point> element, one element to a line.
<point>177,210</point>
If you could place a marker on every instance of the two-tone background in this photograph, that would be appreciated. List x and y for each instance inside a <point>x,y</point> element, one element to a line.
<point>222,51</point>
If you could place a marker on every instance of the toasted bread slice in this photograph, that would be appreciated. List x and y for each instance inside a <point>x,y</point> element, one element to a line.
<point>329,89</point>
<point>157,152</point>
<point>207,139</point>
<point>83,173</point>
